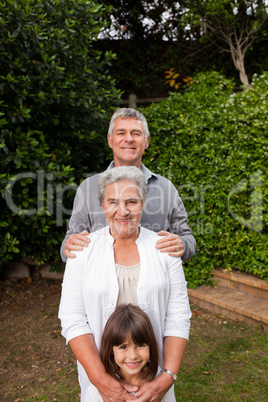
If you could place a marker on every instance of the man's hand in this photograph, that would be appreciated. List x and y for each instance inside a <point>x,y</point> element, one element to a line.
<point>170,243</point>
<point>76,242</point>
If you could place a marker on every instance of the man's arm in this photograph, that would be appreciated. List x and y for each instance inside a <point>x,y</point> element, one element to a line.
<point>78,224</point>
<point>87,216</point>
<point>179,225</point>
<point>164,210</point>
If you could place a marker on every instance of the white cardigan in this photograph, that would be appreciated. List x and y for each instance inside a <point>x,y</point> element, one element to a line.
<point>90,291</point>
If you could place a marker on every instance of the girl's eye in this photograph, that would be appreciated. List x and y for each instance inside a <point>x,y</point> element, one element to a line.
<point>141,345</point>
<point>123,347</point>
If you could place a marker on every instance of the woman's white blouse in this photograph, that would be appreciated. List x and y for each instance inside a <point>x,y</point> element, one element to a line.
<point>90,290</point>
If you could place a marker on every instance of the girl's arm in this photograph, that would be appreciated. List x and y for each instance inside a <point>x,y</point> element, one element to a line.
<point>87,354</point>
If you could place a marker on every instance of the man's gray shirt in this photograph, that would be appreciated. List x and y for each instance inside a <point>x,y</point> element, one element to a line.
<point>163,210</point>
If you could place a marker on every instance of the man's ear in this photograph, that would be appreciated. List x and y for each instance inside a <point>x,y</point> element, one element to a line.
<point>147,143</point>
<point>110,141</point>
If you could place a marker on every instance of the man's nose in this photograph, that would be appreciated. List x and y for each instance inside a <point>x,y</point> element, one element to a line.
<point>128,136</point>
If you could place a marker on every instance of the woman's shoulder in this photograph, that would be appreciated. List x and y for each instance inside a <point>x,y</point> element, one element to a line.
<point>99,234</point>
<point>148,234</point>
<point>97,239</point>
<point>148,239</point>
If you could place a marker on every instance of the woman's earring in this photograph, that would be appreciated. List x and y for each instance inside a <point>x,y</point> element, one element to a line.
<point>149,361</point>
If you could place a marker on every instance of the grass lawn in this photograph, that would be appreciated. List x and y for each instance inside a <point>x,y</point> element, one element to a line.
<point>224,360</point>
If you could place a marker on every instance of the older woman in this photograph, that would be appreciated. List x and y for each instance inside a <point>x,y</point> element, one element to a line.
<point>122,265</point>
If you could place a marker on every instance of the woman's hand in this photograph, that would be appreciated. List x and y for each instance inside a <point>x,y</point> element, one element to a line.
<point>112,391</point>
<point>155,390</point>
<point>86,352</point>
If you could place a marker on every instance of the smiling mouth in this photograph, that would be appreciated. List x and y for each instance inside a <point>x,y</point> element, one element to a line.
<point>132,365</point>
<point>123,220</point>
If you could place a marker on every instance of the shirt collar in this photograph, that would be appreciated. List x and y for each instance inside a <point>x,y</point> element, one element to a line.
<point>147,173</point>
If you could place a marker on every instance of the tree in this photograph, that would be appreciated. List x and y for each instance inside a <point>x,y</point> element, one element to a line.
<point>233,26</point>
<point>56,100</point>
<point>138,19</point>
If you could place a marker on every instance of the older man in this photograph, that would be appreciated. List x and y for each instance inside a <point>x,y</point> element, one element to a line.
<point>164,212</point>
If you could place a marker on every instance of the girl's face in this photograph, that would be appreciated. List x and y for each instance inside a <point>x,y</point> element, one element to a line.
<point>130,357</point>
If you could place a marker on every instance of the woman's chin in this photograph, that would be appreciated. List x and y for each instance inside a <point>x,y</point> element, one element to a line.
<point>123,232</point>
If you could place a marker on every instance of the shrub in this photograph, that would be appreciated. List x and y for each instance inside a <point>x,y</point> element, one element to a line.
<point>213,145</point>
<point>56,95</point>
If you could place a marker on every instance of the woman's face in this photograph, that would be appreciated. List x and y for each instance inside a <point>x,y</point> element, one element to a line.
<point>122,206</point>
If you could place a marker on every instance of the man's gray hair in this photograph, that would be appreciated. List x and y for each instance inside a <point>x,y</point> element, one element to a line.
<point>114,175</point>
<point>128,113</point>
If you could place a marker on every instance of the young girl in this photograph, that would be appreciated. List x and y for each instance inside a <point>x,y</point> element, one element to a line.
<point>129,348</point>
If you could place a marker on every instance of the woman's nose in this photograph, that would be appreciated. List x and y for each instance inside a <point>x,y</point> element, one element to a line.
<point>123,209</point>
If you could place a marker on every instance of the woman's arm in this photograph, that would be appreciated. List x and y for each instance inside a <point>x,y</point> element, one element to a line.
<point>77,331</point>
<point>87,354</point>
<point>155,390</point>
<point>176,332</point>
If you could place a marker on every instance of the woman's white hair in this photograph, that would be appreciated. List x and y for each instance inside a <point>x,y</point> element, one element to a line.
<point>128,113</point>
<point>120,173</point>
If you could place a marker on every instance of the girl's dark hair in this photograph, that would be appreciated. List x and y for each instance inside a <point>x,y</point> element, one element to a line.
<point>129,321</point>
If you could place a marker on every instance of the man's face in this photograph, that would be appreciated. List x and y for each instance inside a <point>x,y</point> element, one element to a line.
<point>128,142</point>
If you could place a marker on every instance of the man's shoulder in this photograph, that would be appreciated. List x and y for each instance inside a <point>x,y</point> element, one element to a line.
<point>157,179</point>
<point>155,176</point>
<point>91,180</point>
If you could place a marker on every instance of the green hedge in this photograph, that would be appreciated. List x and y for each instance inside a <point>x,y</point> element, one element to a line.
<point>213,145</point>
<point>56,99</point>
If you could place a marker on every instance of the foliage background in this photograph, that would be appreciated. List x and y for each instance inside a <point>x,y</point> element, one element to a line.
<point>211,142</point>
<point>59,84</point>
<point>56,98</point>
